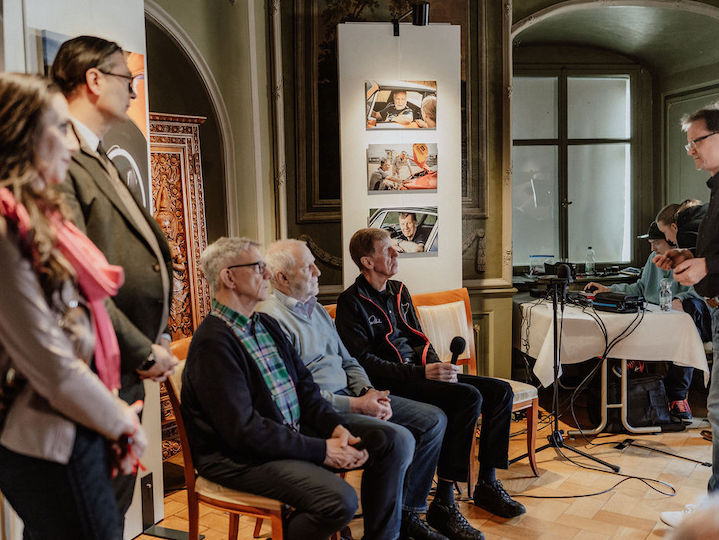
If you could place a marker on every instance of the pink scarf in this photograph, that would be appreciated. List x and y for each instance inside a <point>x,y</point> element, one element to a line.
<point>96,278</point>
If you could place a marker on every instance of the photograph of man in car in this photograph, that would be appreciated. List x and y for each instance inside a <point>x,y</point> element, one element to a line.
<point>399,111</point>
<point>411,239</point>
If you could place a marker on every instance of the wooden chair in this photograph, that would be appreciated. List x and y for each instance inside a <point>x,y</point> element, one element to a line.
<point>201,490</point>
<point>446,314</point>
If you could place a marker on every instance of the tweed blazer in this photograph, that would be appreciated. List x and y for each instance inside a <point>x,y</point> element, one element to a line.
<point>137,308</point>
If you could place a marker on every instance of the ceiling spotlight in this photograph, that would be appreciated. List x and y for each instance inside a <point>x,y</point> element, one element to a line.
<point>420,16</point>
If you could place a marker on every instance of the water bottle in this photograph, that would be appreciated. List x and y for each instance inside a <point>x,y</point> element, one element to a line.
<point>665,294</point>
<point>590,261</point>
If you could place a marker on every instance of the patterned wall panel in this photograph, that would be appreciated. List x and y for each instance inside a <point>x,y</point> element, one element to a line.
<point>179,208</point>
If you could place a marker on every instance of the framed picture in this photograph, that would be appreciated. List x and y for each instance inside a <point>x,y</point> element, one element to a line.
<point>401,167</point>
<point>401,104</point>
<point>414,230</point>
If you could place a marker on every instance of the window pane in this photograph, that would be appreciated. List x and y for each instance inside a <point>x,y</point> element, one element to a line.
<point>599,188</point>
<point>534,203</point>
<point>598,107</point>
<point>534,108</point>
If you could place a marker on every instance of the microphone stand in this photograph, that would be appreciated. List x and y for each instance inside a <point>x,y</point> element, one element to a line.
<point>555,439</point>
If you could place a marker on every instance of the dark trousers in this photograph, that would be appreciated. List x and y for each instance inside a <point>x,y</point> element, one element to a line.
<point>677,381</point>
<point>63,502</point>
<point>463,402</point>
<point>324,502</point>
<point>414,425</point>
<point>384,475</point>
<point>124,484</point>
<point>679,378</point>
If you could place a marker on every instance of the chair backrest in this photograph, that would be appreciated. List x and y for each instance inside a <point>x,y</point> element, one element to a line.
<point>173,385</point>
<point>331,309</point>
<point>444,315</point>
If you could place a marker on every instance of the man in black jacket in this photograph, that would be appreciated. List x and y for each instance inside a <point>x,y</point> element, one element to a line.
<point>700,267</point>
<point>256,420</point>
<point>378,324</point>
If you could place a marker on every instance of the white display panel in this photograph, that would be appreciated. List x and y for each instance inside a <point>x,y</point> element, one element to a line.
<point>370,52</point>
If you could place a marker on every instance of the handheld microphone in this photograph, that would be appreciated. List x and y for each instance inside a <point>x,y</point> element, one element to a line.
<point>456,347</point>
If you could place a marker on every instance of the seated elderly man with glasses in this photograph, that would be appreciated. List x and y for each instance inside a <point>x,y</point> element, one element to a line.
<point>257,421</point>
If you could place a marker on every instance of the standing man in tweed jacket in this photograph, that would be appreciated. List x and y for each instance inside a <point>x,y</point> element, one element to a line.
<point>93,75</point>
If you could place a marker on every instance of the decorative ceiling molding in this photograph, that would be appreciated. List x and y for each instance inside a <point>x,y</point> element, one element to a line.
<point>691,6</point>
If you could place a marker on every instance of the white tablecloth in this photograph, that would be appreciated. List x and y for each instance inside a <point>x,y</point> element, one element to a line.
<point>661,336</point>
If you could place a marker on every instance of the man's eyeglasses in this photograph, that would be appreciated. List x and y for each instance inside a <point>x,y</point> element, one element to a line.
<point>129,78</point>
<point>692,145</point>
<point>261,266</point>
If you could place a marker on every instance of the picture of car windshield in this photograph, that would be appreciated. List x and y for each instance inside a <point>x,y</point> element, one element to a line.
<point>401,167</point>
<point>401,104</point>
<point>413,230</point>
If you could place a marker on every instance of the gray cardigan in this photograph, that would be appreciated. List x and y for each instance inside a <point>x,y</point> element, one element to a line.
<point>333,368</point>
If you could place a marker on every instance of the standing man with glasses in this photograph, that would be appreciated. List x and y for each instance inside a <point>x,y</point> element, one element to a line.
<point>700,267</point>
<point>93,75</point>
<point>257,422</point>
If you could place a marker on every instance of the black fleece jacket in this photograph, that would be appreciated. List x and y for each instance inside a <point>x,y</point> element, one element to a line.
<point>365,328</point>
<point>229,411</point>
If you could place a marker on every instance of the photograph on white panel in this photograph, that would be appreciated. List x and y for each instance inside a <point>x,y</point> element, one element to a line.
<point>401,104</point>
<point>401,167</point>
<point>413,230</point>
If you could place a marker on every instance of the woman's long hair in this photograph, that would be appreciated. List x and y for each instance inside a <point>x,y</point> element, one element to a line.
<point>24,99</point>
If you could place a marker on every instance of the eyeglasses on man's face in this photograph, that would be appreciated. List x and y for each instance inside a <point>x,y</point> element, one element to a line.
<point>260,266</point>
<point>130,78</point>
<point>692,145</point>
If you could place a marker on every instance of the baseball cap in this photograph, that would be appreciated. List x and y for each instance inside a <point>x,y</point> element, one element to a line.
<point>653,233</point>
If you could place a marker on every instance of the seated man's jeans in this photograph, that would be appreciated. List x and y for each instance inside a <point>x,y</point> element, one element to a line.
<point>426,424</point>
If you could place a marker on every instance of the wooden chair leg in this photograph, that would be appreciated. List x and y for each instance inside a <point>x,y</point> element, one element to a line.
<point>532,414</point>
<point>258,528</point>
<point>472,473</point>
<point>277,530</point>
<point>193,513</point>
<point>234,526</point>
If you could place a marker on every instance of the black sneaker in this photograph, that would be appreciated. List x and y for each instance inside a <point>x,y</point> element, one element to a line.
<point>492,497</point>
<point>414,528</point>
<point>449,521</point>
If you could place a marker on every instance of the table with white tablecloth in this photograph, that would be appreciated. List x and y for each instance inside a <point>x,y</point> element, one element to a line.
<point>660,336</point>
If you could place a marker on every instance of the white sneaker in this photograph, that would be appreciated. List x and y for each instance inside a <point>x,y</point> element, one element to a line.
<point>673,519</point>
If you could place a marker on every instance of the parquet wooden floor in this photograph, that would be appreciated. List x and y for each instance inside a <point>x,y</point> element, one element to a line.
<point>629,511</point>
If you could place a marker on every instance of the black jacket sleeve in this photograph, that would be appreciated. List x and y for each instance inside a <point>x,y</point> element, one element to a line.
<point>357,335</point>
